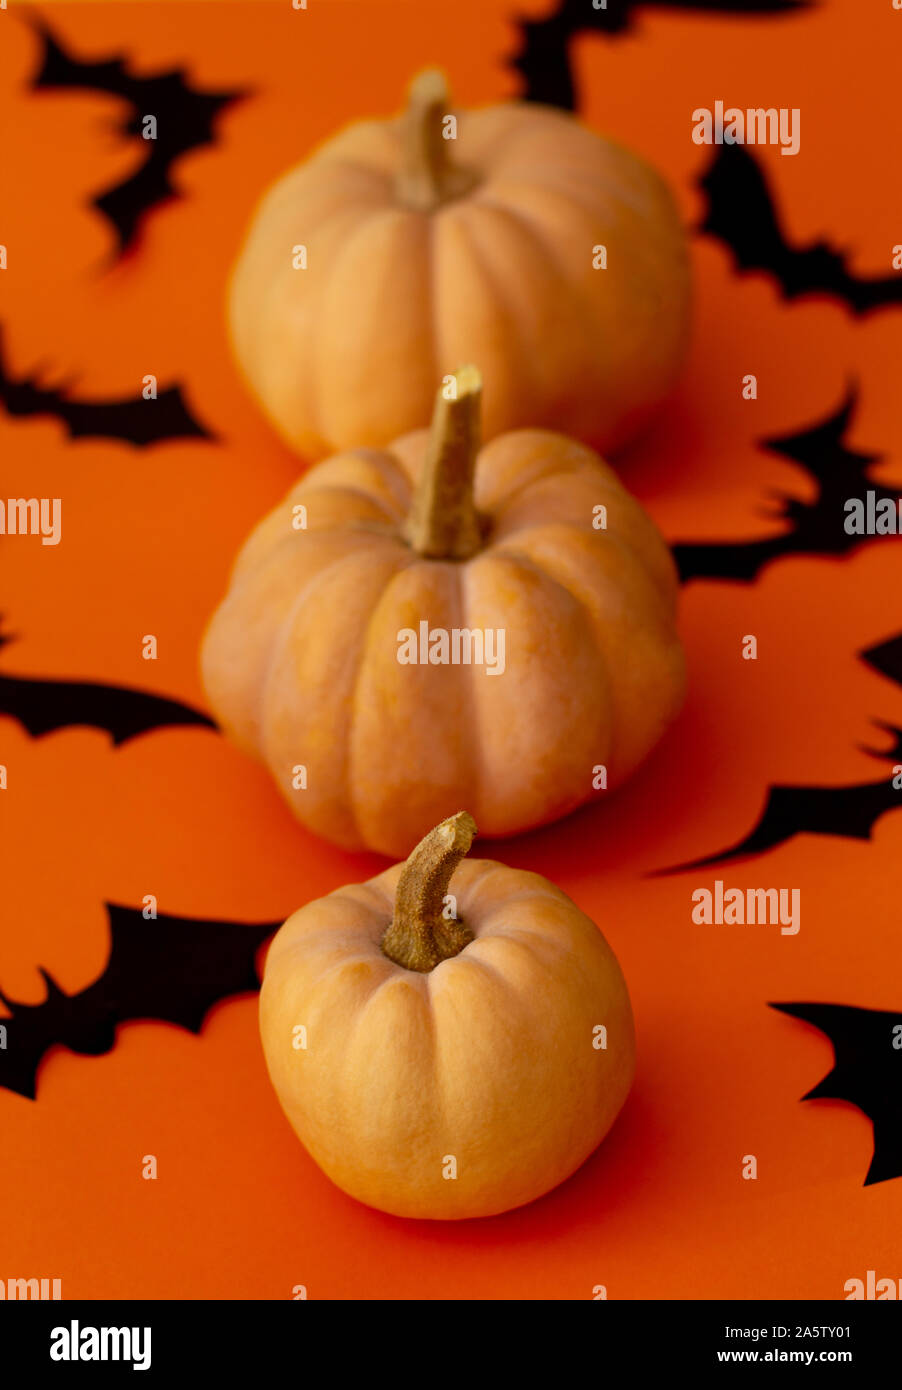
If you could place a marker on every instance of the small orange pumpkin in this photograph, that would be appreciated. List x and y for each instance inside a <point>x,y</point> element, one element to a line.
<point>419,643</point>
<point>447,1057</point>
<point>546,253</point>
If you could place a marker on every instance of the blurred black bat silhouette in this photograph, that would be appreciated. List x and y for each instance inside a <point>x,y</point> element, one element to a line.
<point>851,811</point>
<point>42,706</point>
<point>171,969</point>
<point>886,658</point>
<point>131,419</point>
<point>185,120</point>
<point>741,214</point>
<point>544,60</point>
<point>867,1072</point>
<point>814,528</point>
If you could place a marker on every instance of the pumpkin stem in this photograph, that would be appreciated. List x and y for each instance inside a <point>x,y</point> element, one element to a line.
<point>420,936</point>
<point>428,177</point>
<point>443,522</point>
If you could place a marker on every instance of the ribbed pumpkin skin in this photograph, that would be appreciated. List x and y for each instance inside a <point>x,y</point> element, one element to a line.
<point>300,661</point>
<point>488,1058</point>
<point>348,351</point>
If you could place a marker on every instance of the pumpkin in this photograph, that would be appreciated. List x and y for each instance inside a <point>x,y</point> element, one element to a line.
<point>548,254</point>
<point>448,629</point>
<point>108,813</point>
<point>447,1056</point>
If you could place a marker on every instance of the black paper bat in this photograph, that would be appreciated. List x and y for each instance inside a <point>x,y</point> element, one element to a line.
<point>172,969</point>
<point>886,658</point>
<point>185,121</point>
<point>742,215</point>
<point>867,1072</point>
<point>131,419</point>
<point>544,60</point>
<point>849,811</point>
<point>815,528</point>
<point>43,706</point>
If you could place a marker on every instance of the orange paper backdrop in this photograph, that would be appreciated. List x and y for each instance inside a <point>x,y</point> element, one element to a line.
<point>238,1209</point>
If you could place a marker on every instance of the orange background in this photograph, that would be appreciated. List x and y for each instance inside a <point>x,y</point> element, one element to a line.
<point>239,1210</point>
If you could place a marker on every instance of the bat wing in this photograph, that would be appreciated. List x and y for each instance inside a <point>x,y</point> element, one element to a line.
<point>43,706</point>
<point>61,69</point>
<point>544,58</point>
<point>887,659</point>
<point>171,969</point>
<point>544,63</point>
<point>185,117</point>
<point>838,471</point>
<point>850,812</point>
<point>741,214</point>
<point>125,204</point>
<point>132,420</point>
<point>867,1072</point>
<point>864,295</point>
<point>821,450</point>
<point>741,561</point>
<point>725,7</point>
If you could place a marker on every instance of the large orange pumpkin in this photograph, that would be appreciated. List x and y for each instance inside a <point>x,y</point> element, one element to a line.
<point>440,1057</point>
<point>529,244</point>
<point>425,639</point>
